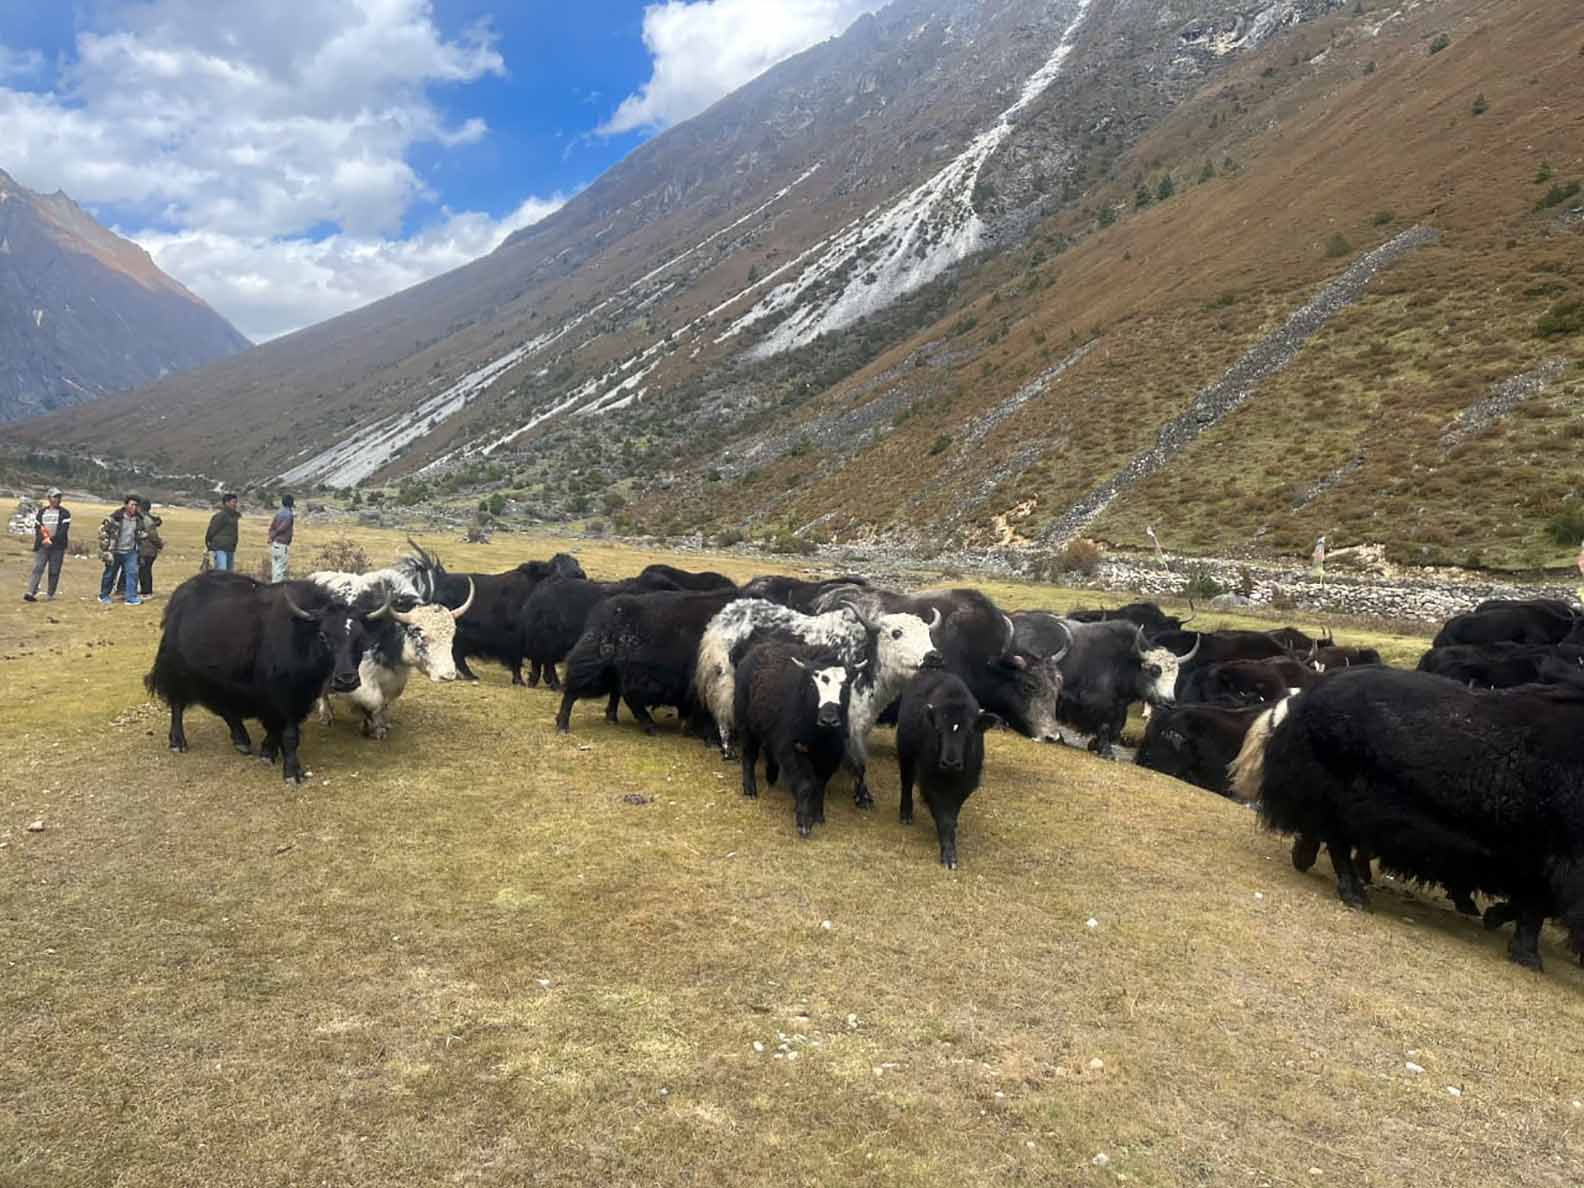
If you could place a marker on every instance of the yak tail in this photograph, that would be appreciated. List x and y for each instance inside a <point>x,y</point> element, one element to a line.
<point>1248,769</point>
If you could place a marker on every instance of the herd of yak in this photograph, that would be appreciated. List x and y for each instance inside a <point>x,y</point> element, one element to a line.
<point>1467,774</point>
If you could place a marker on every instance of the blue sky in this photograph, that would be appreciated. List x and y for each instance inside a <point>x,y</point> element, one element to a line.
<point>289,162</point>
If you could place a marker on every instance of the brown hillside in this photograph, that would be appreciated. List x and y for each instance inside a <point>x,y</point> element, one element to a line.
<point>1176,293</point>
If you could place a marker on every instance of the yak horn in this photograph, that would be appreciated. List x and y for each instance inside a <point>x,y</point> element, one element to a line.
<point>935,620</point>
<point>1066,647</point>
<point>298,611</point>
<point>1193,651</point>
<point>383,611</point>
<point>463,609</point>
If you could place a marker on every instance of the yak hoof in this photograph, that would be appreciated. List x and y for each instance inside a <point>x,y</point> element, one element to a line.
<point>1498,914</point>
<point>1305,851</point>
<point>178,748</point>
<point>949,863</point>
<point>805,830</point>
<point>241,749</point>
<point>1528,958</point>
<point>863,798</point>
<point>1353,897</point>
<point>905,818</point>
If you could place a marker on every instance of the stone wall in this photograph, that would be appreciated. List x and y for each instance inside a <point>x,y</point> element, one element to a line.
<point>1417,599</point>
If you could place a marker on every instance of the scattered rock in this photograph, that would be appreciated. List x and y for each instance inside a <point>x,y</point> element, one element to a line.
<point>36,826</point>
<point>1414,1068</point>
<point>758,1047</point>
<point>1097,1065</point>
<point>1091,922</point>
<point>635,798</point>
<point>1101,1160</point>
<point>826,925</point>
<point>1454,1091</point>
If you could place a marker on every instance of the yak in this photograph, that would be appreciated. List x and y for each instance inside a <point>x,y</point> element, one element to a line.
<point>1473,790</point>
<point>242,649</point>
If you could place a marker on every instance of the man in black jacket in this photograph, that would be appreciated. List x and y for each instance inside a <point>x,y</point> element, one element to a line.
<point>221,537</point>
<point>51,529</point>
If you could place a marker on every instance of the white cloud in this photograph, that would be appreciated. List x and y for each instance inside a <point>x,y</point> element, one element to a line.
<point>227,135</point>
<point>269,287</point>
<point>705,49</point>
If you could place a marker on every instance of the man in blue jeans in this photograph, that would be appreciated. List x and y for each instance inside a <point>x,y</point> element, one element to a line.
<point>121,538</point>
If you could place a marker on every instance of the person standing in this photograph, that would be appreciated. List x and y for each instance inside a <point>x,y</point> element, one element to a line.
<point>151,547</point>
<point>1318,559</point>
<point>221,536</point>
<point>280,538</point>
<point>51,530</point>
<point>121,539</point>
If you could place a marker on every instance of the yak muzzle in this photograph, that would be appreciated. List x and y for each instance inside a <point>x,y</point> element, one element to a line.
<point>345,682</point>
<point>829,716</point>
<point>933,660</point>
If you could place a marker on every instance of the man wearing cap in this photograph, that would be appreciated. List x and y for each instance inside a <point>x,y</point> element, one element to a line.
<point>51,527</point>
<point>222,534</point>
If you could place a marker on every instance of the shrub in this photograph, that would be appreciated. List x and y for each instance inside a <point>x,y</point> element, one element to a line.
<point>344,555</point>
<point>1078,556</point>
<point>497,503</point>
<point>1480,105</point>
<point>1165,190</point>
<point>1142,198</point>
<point>1566,528</point>
<point>1207,172</point>
<point>1563,318</point>
<point>1201,583</point>
<point>940,444</point>
<point>1439,42</point>
<point>594,528</point>
<point>727,538</point>
<point>1383,217</point>
<point>1337,246</point>
<point>1557,195</point>
<point>788,542</point>
<point>1544,174</point>
<point>1107,216</point>
<point>1369,67</point>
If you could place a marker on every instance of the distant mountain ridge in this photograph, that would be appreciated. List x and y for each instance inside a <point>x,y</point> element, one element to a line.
<point>995,272</point>
<point>84,312</point>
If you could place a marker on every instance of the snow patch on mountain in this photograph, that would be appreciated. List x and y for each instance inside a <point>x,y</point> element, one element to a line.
<point>881,257</point>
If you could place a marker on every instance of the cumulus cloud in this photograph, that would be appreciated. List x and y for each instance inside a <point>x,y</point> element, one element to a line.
<point>269,287</point>
<point>229,135</point>
<point>705,49</point>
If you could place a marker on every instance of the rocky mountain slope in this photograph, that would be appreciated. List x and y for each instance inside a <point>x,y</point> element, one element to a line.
<point>84,312</point>
<point>1001,272</point>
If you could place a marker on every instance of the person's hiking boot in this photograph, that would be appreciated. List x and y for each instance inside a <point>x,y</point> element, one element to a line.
<point>104,600</point>
<point>30,598</point>
<point>134,602</point>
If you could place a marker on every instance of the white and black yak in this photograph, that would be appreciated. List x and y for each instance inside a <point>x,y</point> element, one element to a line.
<point>890,648</point>
<point>792,703</point>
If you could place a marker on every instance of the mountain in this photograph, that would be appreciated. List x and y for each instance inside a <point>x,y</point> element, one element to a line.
<point>1000,273</point>
<point>84,312</point>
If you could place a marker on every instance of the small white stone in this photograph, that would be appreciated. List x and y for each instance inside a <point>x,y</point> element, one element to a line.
<point>1031,1144</point>
<point>36,826</point>
<point>758,1047</point>
<point>665,1093</point>
<point>1454,1091</point>
<point>1578,1105</point>
<point>1259,895</point>
<point>826,925</point>
<point>1101,1160</point>
<point>1097,1065</point>
<point>1414,1068</point>
<point>1091,922</point>
<point>1315,1171</point>
<point>544,983</point>
<point>852,1022</point>
<point>999,1095</point>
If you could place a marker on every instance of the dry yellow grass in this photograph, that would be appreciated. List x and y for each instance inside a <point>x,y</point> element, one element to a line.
<point>463,956</point>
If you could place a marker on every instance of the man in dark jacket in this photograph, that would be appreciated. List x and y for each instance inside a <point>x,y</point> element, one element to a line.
<point>51,529</point>
<point>150,549</point>
<point>121,538</point>
<point>280,538</point>
<point>221,537</point>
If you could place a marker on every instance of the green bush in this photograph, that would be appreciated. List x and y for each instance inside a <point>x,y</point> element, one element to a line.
<point>941,444</point>
<point>497,504</point>
<point>1107,216</point>
<point>1563,318</point>
<point>1201,584</point>
<point>1544,174</point>
<point>1480,105</point>
<point>1558,194</point>
<point>1383,217</point>
<point>1078,556</point>
<point>1165,190</point>
<point>787,542</point>
<point>1338,246</point>
<point>727,538</point>
<point>1566,528</point>
<point>1439,42</point>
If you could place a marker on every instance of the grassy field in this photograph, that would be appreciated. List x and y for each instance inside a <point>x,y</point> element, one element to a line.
<point>482,953</point>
